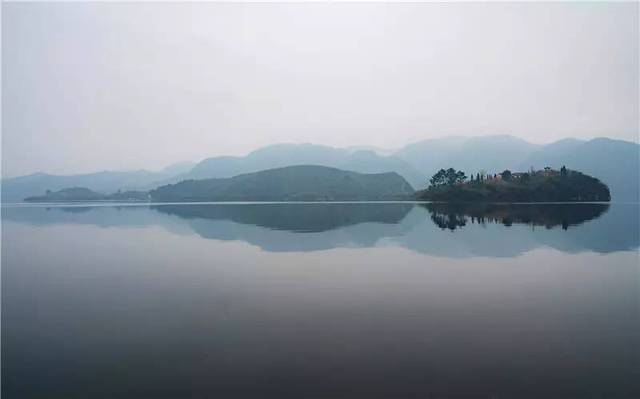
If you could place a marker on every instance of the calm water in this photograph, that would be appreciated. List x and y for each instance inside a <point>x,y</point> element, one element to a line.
<point>321,301</point>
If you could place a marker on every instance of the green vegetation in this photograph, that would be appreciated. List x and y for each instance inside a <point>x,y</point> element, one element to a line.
<point>293,183</point>
<point>546,185</point>
<point>614,162</point>
<point>320,183</point>
<point>84,194</point>
<point>447,178</point>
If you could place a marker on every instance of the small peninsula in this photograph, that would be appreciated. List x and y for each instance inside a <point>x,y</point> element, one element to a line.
<point>547,185</point>
<point>84,194</point>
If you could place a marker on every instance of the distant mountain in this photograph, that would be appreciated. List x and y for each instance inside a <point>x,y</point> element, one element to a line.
<point>178,168</point>
<point>292,183</point>
<point>616,163</point>
<point>281,155</point>
<point>470,154</point>
<point>18,188</point>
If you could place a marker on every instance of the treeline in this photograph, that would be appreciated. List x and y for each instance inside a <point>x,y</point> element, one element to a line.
<point>451,185</point>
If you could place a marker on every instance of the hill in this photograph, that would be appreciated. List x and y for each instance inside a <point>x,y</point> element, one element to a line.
<point>17,188</point>
<point>615,162</point>
<point>292,183</point>
<point>281,155</point>
<point>539,186</point>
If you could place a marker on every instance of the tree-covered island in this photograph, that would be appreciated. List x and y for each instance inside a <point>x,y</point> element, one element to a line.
<point>547,185</point>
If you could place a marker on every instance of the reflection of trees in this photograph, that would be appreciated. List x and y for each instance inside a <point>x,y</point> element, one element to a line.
<point>448,221</point>
<point>451,216</point>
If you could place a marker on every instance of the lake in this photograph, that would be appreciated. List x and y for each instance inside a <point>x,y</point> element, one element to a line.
<point>320,300</point>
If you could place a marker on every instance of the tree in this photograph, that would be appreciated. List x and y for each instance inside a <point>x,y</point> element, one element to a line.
<point>506,175</point>
<point>447,177</point>
<point>438,179</point>
<point>525,177</point>
<point>478,177</point>
<point>454,177</point>
<point>563,171</point>
<point>451,176</point>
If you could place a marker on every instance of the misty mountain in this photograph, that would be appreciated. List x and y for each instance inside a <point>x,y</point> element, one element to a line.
<point>178,168</point>
<point>19,188</point>
<point>291,183</point>
<point>280,155</point>
<point>614,162</point>
<point>470,154</point>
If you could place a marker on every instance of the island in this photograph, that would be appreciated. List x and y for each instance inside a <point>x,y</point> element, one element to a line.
<point>547,185</point>
<point>291,183</point>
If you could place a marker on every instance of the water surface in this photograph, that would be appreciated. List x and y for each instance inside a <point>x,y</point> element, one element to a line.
<point>347,300</point>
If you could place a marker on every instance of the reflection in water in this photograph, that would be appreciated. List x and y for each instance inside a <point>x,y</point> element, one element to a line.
<point>302,218</point>
<point>452,216</point>
<point>227,301</point>
<point>494,230</point>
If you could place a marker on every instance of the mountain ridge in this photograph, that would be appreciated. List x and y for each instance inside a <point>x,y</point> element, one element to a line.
<point>615,162</point>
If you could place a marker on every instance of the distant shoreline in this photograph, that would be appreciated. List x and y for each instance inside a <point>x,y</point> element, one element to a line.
<point>155,203</point>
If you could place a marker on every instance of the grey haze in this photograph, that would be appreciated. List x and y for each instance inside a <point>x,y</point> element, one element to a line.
<point>96,86</point>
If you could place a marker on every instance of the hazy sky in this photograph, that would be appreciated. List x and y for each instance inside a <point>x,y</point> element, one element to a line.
<point>125,86</point>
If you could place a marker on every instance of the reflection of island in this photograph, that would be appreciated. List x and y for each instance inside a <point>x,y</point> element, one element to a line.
<point>489,230</point>
<point>299,218</point>
<point>454,215</point>
<point>296,227</point>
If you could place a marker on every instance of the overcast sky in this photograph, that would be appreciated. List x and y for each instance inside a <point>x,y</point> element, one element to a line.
<point>99,86</point>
